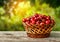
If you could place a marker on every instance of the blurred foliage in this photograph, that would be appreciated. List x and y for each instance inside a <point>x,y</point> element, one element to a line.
<point>9,24</point>
<point>57,19</point>
<point>1,11</point>
<point>12,20</point>
<point>1,2</point>
<point>52,3</point>
<point>57,12</point>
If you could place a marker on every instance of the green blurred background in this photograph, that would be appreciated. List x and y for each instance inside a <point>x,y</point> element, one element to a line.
<point>13,11</point>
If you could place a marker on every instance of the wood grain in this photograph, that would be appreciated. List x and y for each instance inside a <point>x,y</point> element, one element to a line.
<point>20,36</point>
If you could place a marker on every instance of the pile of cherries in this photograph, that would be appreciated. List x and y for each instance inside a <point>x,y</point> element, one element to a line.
<point>39,19</point>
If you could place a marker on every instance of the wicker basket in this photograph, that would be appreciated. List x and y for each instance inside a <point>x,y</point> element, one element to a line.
<point>35,31</point>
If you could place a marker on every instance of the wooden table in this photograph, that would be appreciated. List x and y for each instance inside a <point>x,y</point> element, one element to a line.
<point>20,36</point>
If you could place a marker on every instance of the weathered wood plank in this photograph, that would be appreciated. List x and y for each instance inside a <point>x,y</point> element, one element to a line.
<point>20,36</point>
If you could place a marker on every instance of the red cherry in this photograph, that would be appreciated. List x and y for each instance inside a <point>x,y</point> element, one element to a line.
<point>31,19</point>
<point>28,23</point>
<point>24,20</point>
<point>42,23</point>
<point>32,22</point>
<point>52,21</point>
<point>35,19</point>
<point>48,17</point>
<point>48,22</point>
<point>36,15</point>
<point>38,22</point>
<point>44,16</point>
<point>40,16</point>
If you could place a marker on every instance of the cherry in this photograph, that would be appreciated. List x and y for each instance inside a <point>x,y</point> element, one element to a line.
<point>35,18</point>
<point>40,16</point>
<point>32,22</point>
<point>38,22</point>
<point>28,23</point>
<point>36,15</point>
<point>44,16</point>
<point>31,19</point>
<point>24,20</point>
<point>48,22</point>
<point>52,21</point>
<point>42,23</point>
<point>48,17</point>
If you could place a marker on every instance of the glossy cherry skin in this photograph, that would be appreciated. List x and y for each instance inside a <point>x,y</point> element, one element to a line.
<point>36,15</point>
<point>38,22</point>
<point>24,20</point>
<point>47,22</point>
<point>42,23</point>
<point>48,17</point>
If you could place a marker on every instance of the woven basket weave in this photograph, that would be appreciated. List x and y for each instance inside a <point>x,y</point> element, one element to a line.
<point>35,31</point>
